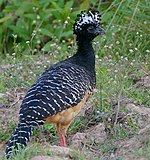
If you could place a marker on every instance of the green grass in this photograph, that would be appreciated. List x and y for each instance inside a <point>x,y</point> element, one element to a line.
<point>122,61</point>
<point>28,153</point>
<point>144,151</point>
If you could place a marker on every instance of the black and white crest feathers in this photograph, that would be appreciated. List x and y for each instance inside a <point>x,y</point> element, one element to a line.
<point>91,17</point>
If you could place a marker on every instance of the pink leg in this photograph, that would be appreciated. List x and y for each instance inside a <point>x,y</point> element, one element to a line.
<point>62,138</point>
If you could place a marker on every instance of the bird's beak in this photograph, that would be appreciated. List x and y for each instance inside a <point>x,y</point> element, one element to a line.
<point>100,31</point>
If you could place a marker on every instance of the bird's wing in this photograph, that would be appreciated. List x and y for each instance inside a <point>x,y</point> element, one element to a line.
<point>56,90</point>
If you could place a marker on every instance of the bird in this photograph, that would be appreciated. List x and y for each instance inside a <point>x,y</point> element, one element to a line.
<point>61,91</point>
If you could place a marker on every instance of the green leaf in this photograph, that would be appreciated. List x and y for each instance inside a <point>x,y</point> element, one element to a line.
<point>1,2</point>
<point>49,126</point>
<point>66,34</point>
<point>46,32</point>
<point>85,5</point>
<point>69,4</point>
<point>25,7</point>
<point>22,32</point>
<point>10,8</point>
<point>30,15</point>
<point>6,18</point>
<point>47,46</point>
<point>55,5</point>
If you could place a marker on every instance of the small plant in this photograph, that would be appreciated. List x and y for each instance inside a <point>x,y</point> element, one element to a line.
<point>36,34</point>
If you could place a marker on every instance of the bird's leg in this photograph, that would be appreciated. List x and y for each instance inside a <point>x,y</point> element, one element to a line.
<point>61,137</point>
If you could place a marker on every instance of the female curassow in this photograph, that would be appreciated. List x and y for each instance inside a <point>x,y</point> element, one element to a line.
<point>59,94</point>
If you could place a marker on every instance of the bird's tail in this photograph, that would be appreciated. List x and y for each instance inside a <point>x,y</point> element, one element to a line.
<point>19,139</point>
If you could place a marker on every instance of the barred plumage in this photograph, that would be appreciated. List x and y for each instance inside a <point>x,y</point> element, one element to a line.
<point>60,92</point>
<point>56,90</point>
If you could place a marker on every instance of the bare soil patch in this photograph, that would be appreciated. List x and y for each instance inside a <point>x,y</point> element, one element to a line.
<point>88,141</point>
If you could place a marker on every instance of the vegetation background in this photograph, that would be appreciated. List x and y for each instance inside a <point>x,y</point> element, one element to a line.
<point>35,34</point>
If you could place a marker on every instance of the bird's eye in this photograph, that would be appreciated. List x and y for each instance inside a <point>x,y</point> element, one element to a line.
<point>90,28</point>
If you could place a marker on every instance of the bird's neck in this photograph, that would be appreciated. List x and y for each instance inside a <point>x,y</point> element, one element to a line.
<point>86,56</point>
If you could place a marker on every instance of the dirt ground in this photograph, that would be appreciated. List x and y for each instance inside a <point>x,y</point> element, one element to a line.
<point>86,142</point>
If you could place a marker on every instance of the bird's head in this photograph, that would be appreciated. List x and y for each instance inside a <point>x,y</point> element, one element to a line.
<point>87,25</point>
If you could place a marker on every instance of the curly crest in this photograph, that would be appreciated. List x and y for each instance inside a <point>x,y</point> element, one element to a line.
<point>86,18</point>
